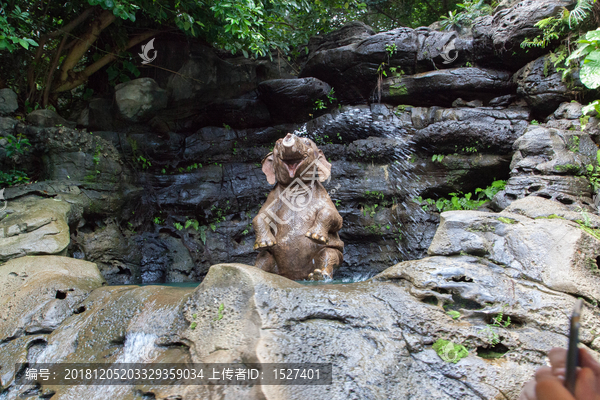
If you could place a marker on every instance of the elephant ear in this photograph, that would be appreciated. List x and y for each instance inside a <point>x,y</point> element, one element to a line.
<point>269,169</point>
<point>324,167</point>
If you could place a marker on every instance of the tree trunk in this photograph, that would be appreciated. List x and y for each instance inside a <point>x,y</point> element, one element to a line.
<point>79,78</point>
<point>82,46</point>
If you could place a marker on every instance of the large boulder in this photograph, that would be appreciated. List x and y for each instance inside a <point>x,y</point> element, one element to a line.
<point>115,324</point>
<point>554,252</point>
<point>8,101</point>
<point>543,87</point>
<point>551,163</point>
<point>47,119</point>
<point>498,38</point>
<point>38,293</point>
<point>138,100</point>
<point>292,100</point>
<point>34,225</point>
<point>443,87</point>
<point>352,66</point>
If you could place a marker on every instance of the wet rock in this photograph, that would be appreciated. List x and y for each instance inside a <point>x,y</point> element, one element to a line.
<point>38,293</point>
<point>292,100</point>
<point>236,113</point>
<point>542,86</point>
<point>554,252</point>
<point>570,110</point>
<point>391,311</point>
<point>486,129</point>
<point>113,325</point>
<point>47,119</point>
<point>8,101</point>
<point>139,99</point>
<point>539,207</point>
<point>549,151</point>
<point>550,162</point>
<point>100,114</point>
<point>34,225</point>
<point>351,67</point>
<point>443,87</point>
<point>498,38</point>
<point>206,77</point>
<point>7,125</point>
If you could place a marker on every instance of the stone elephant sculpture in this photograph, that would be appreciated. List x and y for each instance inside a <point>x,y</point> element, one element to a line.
<point>297,227</point>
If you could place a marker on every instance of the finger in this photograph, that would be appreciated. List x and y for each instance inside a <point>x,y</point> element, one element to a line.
<point>585,385</point>
<point>552,389</point>
<point>544,373</point>
<point>587,360</point>
<point>558,357</point>
<point>528,391</point>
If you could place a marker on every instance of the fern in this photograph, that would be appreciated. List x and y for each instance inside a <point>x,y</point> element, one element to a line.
<point>581,11</point>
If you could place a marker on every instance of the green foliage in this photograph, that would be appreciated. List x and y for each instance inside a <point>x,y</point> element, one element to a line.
<point>470,10</point>
<point>96,161</point>
<point>123,70</point>
<point>391,49</point>
<point>178,226</point>
<point>534,122</point>
<point>449,351</point>
<point>14,177</point>
<point>507,220</point>
<point>573,143</point>
<point>220,312</point>
<point>193,325</point>
<point>491,330</point>
<point>437,157</point>
<point>374,195</point>
<point>588,52</point>
<point>593,173</point>
<point>593,106</point>
<point>15,145</point>
<point>15,29</point>
<point>158,220</point>
<point>454,314</point>
<point>582,9</point>
<point>321,104</point>
<point>370,210</point>
<point>144,162</point>
<point>460,201</point>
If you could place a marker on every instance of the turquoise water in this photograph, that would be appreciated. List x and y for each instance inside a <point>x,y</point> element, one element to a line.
<point>173,284</point>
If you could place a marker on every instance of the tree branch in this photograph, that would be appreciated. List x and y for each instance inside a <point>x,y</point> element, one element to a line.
<point>51,71</point>
<point>40,50</point>
<point>78,51</point>
<point>81,77</point>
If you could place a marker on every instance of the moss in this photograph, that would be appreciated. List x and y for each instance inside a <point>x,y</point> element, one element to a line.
<point>453,314</point>
<point>398,90</point>
<point>568,168</point>
<point>482,228</point>
<point>507,220</point>
<point>450,352</point>
<point>551,216</point>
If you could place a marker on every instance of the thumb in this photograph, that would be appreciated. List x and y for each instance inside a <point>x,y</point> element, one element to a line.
<point>553,389</point>
<point>585,386</point>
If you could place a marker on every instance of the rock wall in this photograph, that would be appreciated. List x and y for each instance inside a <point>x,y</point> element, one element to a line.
<point>163,195</point>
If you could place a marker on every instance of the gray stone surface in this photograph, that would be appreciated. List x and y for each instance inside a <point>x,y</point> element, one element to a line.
<point>543,87</point>
<point>443,87</point>
<point>34,225</point>
<point>47,118</point>
<point>8,101</point>
<point>554,252</point>
<point>38,293</point>
<point>139,99</point>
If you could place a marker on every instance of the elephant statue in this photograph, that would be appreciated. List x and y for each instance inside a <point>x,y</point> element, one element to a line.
<point>297,227</point>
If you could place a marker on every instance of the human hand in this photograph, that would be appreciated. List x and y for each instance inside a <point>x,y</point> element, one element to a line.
<point>548,383</point>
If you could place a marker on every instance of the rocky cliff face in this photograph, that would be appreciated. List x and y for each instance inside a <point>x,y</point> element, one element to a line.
<point>164,181</point>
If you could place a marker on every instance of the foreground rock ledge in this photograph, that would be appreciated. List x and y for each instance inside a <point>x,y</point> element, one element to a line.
<point>378,334</point>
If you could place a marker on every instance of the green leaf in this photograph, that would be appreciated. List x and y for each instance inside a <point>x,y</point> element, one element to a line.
<point>590,72</point>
